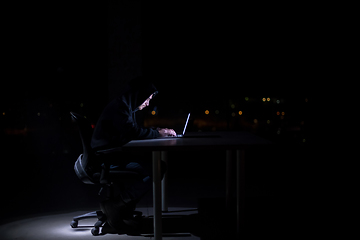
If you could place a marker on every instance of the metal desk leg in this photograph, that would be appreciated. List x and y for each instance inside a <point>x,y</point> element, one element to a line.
<point>157,194</point>
<point>229,177</point>
<point>240,190</point>
<point>164,184</point>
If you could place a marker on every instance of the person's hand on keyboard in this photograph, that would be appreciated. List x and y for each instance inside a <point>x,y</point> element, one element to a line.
<point>165,132</point>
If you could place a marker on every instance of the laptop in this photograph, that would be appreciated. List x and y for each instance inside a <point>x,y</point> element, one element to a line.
<point>191,136</point>
<point>183,133</point>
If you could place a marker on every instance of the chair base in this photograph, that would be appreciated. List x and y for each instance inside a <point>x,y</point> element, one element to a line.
<point>97,214</point>
<point>100,223</point>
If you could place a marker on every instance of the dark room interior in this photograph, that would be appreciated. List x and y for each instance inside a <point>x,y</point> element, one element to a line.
<point>234,68</point>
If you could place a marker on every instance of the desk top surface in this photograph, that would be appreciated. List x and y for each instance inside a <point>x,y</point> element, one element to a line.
<point>199,141</point>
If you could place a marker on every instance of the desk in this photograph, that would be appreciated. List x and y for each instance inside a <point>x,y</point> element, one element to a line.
<point>234,143</point>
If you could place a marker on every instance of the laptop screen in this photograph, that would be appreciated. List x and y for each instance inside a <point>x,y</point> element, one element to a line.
<point>187,120</point>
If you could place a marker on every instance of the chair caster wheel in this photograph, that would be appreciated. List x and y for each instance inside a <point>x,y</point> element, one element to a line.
<point>95,231</point>
<point>74,224</point>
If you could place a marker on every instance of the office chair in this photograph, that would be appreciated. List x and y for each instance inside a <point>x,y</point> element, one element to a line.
<point>94,168</point>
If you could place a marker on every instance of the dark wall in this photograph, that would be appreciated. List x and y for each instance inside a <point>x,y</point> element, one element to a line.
<point>124,25</point>
<point>55,62</point>
<point>63,57</point>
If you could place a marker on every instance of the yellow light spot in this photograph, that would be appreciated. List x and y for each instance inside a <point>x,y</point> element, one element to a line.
<point>38,114</point>
<point>268,99</point>
<point>207,112</point>
<point>3,113</point>
<point>264,99</point>
<point>240,112</point>
<point>246,99</point>
<point>153,112</point>
<point>283,113</point>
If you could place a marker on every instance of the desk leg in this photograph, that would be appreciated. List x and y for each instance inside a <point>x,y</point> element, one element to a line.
<point>229,178</point>
<point>164,184</point>
<point>240,190</point>
<point>236,167</point>
<point>157,194</point>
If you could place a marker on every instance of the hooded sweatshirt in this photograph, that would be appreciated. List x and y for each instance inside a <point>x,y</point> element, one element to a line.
<point>117,124</point>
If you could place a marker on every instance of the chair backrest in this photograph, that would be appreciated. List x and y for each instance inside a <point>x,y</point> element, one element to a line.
<point>87,164</point>
<point>85,132</point>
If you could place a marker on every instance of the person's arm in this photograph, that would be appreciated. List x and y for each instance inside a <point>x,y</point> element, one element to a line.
<point>147,133</point>
<point>133,131</point>
<point>144,133</point>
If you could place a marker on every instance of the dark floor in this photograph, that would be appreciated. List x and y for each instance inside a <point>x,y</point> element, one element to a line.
<point>57,226</point>
<point>277,190</point>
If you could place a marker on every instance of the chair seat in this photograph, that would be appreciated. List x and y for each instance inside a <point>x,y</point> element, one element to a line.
<point>111,175</point>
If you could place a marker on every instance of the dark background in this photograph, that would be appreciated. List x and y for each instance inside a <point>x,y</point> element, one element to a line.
<point>224,58</point>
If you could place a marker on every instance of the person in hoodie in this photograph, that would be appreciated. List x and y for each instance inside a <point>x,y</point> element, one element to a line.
<point>117,126</point>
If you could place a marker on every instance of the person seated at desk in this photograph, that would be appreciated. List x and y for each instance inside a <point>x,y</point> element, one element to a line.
<point>117,126</point>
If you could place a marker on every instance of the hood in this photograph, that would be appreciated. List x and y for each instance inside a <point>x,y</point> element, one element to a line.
<point>136,92</point>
